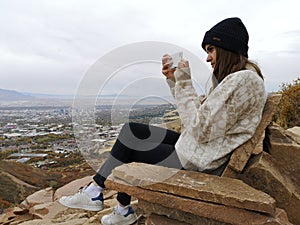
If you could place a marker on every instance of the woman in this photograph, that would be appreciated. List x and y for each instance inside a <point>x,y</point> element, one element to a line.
<point>211,128</point>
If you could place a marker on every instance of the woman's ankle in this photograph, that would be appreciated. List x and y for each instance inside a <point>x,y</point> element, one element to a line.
<point>93,190</point>
<point>123,210</point>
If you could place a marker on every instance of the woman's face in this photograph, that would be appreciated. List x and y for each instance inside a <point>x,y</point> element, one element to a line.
<point>211,54</point>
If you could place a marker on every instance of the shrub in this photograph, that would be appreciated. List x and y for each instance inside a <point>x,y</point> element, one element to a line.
<point>288,114</point>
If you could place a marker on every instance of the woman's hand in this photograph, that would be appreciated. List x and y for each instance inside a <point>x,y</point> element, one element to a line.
<point>166,64</point>
<point>183,63</point>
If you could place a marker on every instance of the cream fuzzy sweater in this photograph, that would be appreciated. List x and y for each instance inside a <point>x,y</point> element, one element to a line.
<point>225,120</point>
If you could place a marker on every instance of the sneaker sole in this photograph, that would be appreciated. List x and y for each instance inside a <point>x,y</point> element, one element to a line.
<point>133,223</point>
<point>85,207</point>
<point>127,222</point>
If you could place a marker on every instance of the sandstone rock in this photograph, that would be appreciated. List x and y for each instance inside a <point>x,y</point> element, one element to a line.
<point>15,216</point>
<point>47,210</point>
<point>215,212</point>
<point>49,222</point>
<point>110,203</point>
<point>70,215</point>
<point>259,146</point>
<point>148,208</point>
<point>293,208</point>
<point>39,208</point>
<point>39,197</point>
<point>278,134</point>
<point>287,157</point>
<point>72,187</point>
<point>155,219</point>
<point>286,151</point>
<point>294,134</point>
<point>39,211</point>
<point>199,186</point>
<point>263,173</point>
<point>8,217</point>
<point>109,194</point>
<point>19,211</point>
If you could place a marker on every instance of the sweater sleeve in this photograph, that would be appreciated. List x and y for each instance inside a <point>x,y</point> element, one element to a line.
<point>197,99</point>
<point>223,107</point>
<point>171,84</point>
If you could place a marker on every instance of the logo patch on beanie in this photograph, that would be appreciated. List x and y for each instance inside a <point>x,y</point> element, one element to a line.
<point>216,39</point>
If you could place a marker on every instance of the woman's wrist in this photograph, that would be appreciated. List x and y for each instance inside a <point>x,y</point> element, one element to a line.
<point>182,74</point>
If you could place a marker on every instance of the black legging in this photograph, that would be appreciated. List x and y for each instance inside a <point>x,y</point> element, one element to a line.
<point>140,143</point>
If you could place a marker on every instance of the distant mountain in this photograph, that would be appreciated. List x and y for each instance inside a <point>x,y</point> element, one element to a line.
<point>10,95</point>
<point>48,96</point>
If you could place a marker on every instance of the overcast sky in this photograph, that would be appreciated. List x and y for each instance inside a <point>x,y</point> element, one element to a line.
<point>47,46</point>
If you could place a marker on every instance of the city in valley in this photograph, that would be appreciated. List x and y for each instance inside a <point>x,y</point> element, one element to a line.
<point>49,143</point>
<point>43,136</point>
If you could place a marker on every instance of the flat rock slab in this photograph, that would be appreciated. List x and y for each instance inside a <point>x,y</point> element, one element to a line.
<point>149,208</point>
<point>39,197</point>
<point>72,187</point>
<point>195,185</point>
<point>155,219</point>
<point>216,212</point>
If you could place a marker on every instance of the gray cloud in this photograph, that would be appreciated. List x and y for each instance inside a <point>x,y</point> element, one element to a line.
<point>47,46</point>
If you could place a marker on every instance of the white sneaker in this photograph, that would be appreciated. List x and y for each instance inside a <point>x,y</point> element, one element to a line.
<point>116,219</point>
<point>81,200</point>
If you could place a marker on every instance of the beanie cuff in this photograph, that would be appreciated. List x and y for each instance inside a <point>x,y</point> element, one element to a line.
<point>226,42</point>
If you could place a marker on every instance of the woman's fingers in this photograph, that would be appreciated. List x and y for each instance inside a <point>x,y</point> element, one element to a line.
<point>167,65</point>
<point>166,58</point>
<point>183,63</point>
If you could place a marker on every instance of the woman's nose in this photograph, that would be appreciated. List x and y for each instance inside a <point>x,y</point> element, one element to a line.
<point>208,58</point>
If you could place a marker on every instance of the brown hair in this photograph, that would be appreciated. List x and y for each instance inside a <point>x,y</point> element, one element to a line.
<point>228,62</point>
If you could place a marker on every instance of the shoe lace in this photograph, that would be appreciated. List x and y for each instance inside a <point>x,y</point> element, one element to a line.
<point>115,211</point>
<point>79,192</point>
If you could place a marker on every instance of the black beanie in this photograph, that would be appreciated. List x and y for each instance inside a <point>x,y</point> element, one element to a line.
<point>230,34</point>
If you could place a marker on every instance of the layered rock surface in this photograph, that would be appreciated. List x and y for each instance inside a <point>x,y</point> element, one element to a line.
<point>196,194</point>
<point>277,173</point>
<point>195,185</point>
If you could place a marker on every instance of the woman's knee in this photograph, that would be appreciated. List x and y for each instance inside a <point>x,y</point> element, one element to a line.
<point>138,130</point>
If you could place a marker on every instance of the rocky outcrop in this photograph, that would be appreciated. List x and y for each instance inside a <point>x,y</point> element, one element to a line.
<point>266,192</point>
<point>286,151</point>
<point>204,196</point>
<point>42,208</point>
<point>277,173</point>
<point>264,174</point>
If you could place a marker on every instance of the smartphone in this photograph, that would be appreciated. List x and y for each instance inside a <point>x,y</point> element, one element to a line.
<point>176,58</point>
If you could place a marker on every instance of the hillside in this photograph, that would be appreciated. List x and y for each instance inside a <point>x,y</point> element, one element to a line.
<point>10,95</point>
<point>19,180</point>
